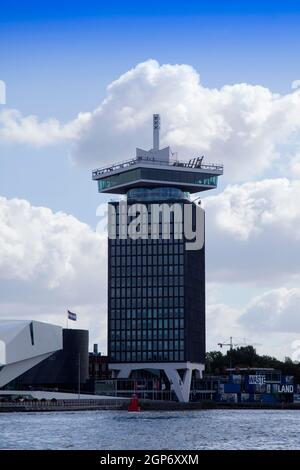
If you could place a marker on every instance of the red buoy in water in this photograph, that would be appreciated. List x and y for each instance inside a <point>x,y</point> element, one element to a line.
<point>134,404</point>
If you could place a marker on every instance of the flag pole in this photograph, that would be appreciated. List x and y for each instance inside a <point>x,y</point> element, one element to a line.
<point>79,378</point>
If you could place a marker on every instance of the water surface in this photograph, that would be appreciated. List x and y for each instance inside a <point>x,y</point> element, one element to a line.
<point>201,429</point>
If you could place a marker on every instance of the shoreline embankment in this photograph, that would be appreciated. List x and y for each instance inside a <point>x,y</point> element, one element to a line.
<point>145,405</point>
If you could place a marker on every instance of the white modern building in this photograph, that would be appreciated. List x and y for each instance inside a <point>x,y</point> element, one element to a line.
<point>24,344</point>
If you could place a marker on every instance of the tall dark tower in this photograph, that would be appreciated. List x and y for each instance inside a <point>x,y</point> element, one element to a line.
<point>156,264</point>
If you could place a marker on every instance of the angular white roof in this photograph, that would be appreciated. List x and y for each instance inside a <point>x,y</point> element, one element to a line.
<point>25,343</point>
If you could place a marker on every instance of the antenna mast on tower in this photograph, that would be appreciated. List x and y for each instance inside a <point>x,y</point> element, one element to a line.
<point>156,128</point>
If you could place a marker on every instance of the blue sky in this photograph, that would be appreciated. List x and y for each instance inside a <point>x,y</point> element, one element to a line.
<point>55,9</point>
<point>57,60</point>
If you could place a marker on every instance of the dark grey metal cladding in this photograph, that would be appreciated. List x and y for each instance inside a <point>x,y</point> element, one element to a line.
<point>194,286</point>
<point>61,369</point>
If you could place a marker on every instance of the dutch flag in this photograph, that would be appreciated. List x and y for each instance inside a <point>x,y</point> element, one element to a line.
<point>72,316</point>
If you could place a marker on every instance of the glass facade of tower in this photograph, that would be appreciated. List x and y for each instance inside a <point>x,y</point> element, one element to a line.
<point>156,298</point>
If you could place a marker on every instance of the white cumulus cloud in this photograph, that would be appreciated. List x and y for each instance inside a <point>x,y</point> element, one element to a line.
<point>19,129</point>
<point>253,232</point>
<point>275,310</point>
<point>37,244</point>
<point>241,125</point>
<point>51,262</point>
<point>269,322</point>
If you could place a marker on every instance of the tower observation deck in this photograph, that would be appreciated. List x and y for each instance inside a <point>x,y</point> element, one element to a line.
<point>157,168</point>
<point>156,285</point>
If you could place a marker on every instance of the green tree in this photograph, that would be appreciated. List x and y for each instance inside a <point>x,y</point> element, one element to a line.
<point>246,356</point>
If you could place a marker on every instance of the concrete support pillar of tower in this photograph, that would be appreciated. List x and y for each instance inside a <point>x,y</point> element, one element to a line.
<point>124,371</point>
<point>181,386</point>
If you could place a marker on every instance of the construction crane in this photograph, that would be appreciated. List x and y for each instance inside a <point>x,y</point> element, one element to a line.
<point>231,345</point>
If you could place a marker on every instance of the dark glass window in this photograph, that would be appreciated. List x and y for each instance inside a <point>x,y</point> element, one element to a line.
<point>146,303</point>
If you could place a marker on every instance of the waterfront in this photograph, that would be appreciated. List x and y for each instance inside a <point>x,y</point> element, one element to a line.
<point>108,430</point>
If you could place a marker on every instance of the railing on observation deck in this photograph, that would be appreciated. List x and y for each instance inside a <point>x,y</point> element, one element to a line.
<point>195,164</point>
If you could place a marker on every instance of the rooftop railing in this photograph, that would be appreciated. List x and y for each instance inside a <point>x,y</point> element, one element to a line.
<point>194,163</point>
